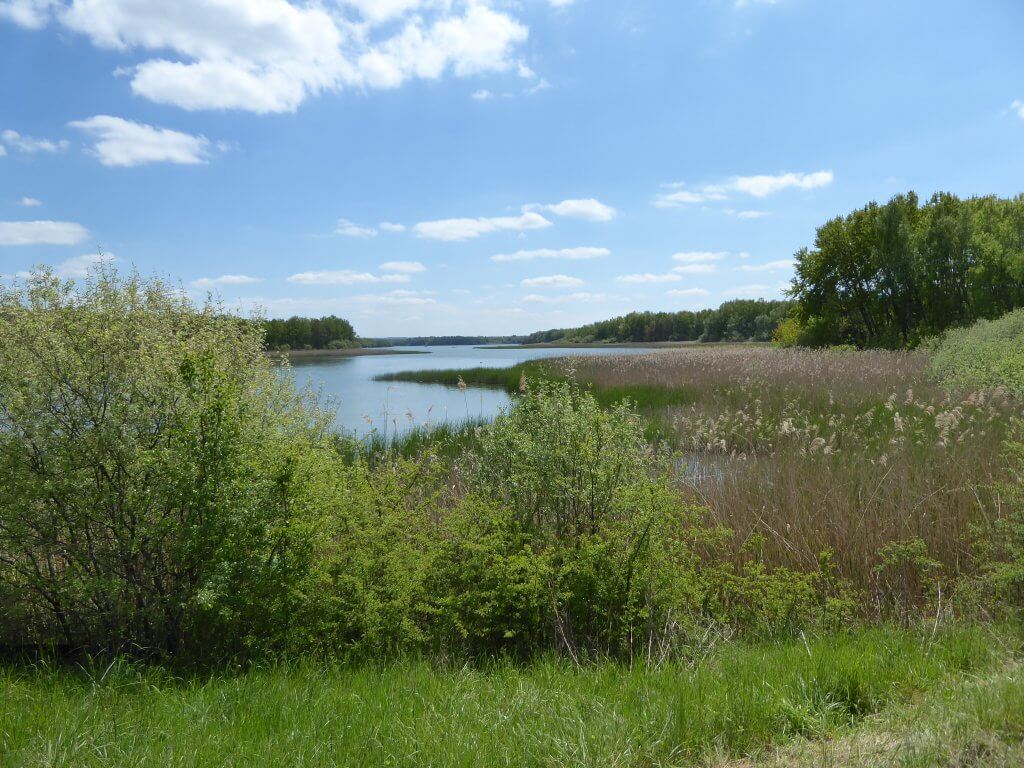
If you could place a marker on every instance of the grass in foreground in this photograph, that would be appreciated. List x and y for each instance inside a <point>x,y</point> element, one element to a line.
<point>736,701</point>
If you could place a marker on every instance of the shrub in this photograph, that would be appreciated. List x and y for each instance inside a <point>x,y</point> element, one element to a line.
<point>154,472</point>
<point>988,354</point>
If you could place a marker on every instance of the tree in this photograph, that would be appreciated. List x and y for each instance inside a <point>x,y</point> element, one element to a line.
<point>152,465</point>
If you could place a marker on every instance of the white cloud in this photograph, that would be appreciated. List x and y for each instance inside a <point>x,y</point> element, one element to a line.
<point>536,298</point>
<point>551,281</point>
<point>695,269</point>
<point>77,267</point>
<point>347,228</point>
<point>467,229</point>
<point>677,196</point>
<point>560,3</point>
<point>271,55</point>
<point>756,291</point>
<point>212,282</point>
<point>571,254</point>
<point>751,214</point>
<point>3,150</point>
<point>1018,106</point>
<point>124,143</point>
<point>408,267</point>
<point>647,277</point>
<point>687,292</point>
<point>30,202</point>
<point>41,233</point>
<point>28,145</point>
<point>344,277</point>
<point>31,14</point>
<point>387,226</point>
<point>588,209</point>
<point>695,257</point>
<point>770,266</point>
<point>761,186</point>
<point>482,95</point>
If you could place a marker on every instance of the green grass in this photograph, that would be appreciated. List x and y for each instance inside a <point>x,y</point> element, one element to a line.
<point>643,396</point>
<point>736,700</point>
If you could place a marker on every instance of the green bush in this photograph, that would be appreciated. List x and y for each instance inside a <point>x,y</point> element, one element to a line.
<point>987,354</point>
<point>154,473</point>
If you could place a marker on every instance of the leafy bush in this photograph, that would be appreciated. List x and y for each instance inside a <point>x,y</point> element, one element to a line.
<point>154,472</point>
<point>988,354</point>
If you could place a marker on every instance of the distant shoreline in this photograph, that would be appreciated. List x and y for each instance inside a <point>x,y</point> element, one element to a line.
<point>357,352</point>
<point>603,345</point>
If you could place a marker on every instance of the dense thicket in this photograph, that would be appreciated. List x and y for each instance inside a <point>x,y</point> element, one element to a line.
<point>892,275</point>
<point>165,492</point>
<point>154,490</point>
<point>739,320</point>
<point>309,333</point>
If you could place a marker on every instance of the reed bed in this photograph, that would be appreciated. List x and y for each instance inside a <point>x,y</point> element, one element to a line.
<point>861,454</point>
<point>857,453</point>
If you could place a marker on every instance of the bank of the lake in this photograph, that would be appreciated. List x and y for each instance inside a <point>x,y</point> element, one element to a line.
<point>310,354</point>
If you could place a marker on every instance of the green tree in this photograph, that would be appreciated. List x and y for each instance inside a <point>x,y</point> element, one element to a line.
<point>154,472</point>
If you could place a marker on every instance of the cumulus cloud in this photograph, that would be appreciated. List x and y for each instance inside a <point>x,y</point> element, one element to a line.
<point>677,195</point>
<point>348,229</point>
<point>77,267</point>
<point>483,95</point>
<point>213,282</point>
<point>271,55</point>
<point>31,14</point>
<point>28,145</point>
<point>695,257</point>
<point>751,214</point>
<point>125,143</point>
<point>407,267</point>
<point>571,254</point>
<point>588,209</point>
<point>30,202</point>
<point>387,226</point>
<point>770,266</point>
<point>536,298</point>
<point>551,281</point>
<point>344,277</point>
<point>1018,107</point>
<point>648,277</point>
<point>41,233</point>
<point>467,229</point>
<point>695,269</point>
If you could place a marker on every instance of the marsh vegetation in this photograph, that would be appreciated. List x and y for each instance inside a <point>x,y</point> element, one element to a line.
<point>187,547</point>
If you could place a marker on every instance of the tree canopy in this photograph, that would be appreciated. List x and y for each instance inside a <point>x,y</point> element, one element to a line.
<point>739,320</point>
<point>892,275</point>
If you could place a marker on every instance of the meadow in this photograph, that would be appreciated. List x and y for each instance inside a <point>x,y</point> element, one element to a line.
<point>713,555</point>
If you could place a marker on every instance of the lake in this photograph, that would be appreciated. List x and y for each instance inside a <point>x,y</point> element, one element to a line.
<point>362,404</point>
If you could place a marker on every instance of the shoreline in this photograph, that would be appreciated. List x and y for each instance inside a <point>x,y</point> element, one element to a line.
<point>618,344</point>
<point>356,352</point>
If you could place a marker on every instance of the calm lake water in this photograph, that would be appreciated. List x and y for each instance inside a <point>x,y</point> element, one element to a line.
<point>362,404</point>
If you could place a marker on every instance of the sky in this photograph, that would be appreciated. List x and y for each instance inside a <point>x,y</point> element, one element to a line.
<point>486,166</point>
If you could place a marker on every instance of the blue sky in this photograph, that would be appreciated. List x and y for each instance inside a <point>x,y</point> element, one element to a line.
<point>475,166</point>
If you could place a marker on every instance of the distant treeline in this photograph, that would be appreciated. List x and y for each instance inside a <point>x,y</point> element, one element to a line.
<point>739,320</point>
<point>892,275</point>
<point>440,341</point>
<point>309,333</point>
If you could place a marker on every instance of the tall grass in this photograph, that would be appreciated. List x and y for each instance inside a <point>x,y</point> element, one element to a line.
<point>738,700</point>
<point>800,451</point>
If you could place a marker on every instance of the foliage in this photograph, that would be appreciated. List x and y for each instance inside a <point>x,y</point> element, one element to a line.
<point>155,472</point>
<point>892,275</point>
<point>309,333</point>
<point>739,320</point>
<point>987,355</point>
